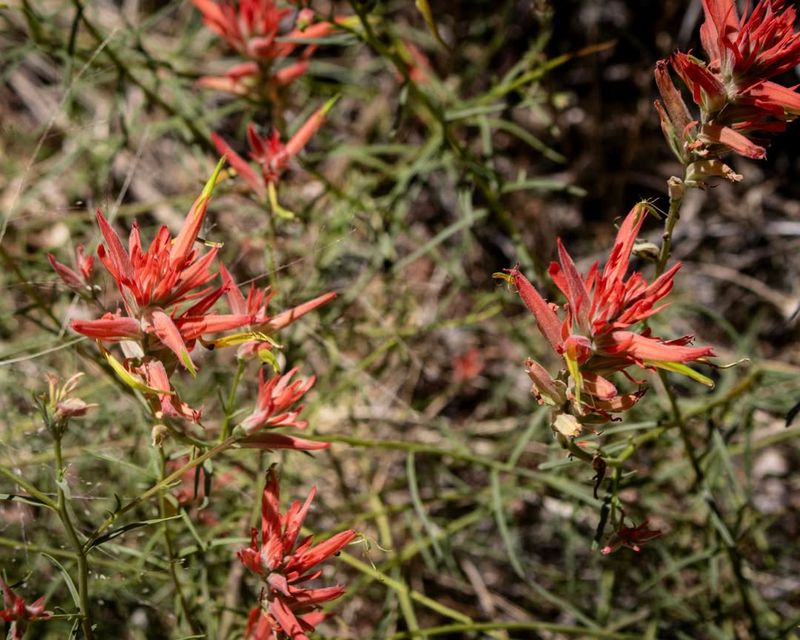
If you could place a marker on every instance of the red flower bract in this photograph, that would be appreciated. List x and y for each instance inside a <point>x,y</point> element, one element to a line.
<point>270,154</point>
<point>257,340</point>
<point>253,27</point>
<point>287,607</point>
<point>595,336</point>
<point>274,409</point>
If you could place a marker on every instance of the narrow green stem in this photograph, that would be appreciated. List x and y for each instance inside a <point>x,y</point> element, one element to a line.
<point>272,241</point>
<point>225,431</point>
<point>676,189</point>
<point>171,557</point>
<point>679,420</point>
<point>159,486</point>
<point>83,564</point>
<point>655,434</point>
<point>33,491</point>
<point>474,627</point>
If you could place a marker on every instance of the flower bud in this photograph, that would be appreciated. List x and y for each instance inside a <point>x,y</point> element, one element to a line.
<point>159,434</point>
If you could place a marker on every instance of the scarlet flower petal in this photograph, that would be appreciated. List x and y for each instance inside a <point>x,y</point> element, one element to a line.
<point>644,348</point>
<point>168,333</point>
<point>715,133</point>
<point>241,166</point>
<point>575,290</point>
<point>546,318</point>
<point>287,619</point>
<point>291,608</point>
<point>118,264</point>
<point>285,318</point>
<point>273,441</point>
<point>109,327</point>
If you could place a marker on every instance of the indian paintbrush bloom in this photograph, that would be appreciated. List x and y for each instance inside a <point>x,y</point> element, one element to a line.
<point>287,606</point>
<point>271,155</point>
<point>739,103</point>
<point>274,409</point>
<point>595,336</point>
<point>154,284</point>
<point>263,34</point>
<point>18,613</point>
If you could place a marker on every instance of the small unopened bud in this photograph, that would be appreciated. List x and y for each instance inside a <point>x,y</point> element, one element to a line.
<point>646,251</point>
<point>159,434</point>
<point>72,408</point>
<point>675,188</point>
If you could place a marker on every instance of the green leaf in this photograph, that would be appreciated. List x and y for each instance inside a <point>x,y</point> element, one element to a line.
<point>15,497</point>
<point>677,367</point>
<point>129,527</point>
<point>502,525</point>
<point>73,591</point>
<point>425,9</point>
<point>413,488</point>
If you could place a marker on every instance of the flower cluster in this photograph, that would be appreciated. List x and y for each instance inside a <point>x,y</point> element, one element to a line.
<point>266,36</point>
<point>271,156</point>
<point>286,605</point>
<point>596,336</point>
<point>275,409</point>
<point>168,294</point>
<point>739,103</point>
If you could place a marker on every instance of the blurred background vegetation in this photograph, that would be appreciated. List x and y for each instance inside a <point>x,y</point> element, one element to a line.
<point>533,120</point>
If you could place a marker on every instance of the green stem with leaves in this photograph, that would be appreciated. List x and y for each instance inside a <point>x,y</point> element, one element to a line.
<point>62,509</point>
<point>225,430</point>
<point>171,556</point>
<point>156,488</point>
<point>676,188</point>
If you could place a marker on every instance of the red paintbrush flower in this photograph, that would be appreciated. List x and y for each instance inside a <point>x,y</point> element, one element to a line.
<point>18,613</point>
<point>266,36</point>
<point>739,104</point>
<point>286,606</point>
<point>153,284</point>
<point>595,336</point>
<point>270,154</point>
<point>274,409</point>
<point>249,26</point>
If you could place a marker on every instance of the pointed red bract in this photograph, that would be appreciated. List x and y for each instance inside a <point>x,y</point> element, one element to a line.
<point>631,537</point>
<point>269,153</point>
<point>263,324</point>
<point>78,279</point>
<point>286,606</point>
